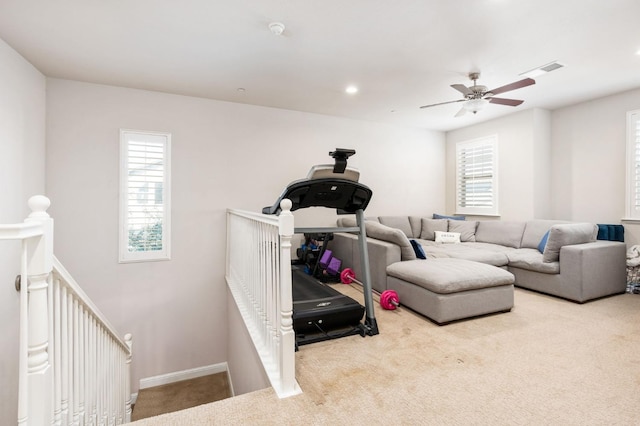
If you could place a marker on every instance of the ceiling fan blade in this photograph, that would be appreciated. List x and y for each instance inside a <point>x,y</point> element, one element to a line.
<point>443,103</point>
<point>513,86</point>
<point>462,89</point>
<point>503,101</point>
<point>460,113</point>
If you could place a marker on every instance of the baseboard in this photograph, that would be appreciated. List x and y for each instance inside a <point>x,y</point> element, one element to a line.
<point>177,376</point>
<point>233,392</point>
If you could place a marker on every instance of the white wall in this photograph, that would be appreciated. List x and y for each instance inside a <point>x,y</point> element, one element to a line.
<point>589,157</point>
<point>523,163</point>
<point>22,153</point>
<point>588,167</point>
<point>223,155</point>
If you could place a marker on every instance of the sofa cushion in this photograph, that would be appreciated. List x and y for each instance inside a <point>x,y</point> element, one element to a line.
<point>450,275</point>
<point>531,260</point>
<point>346,222</point>
<point>535,229</point>
<point>400,222</point>
<point>506,233</point>
<point>466,228</point>
<point>416,225</point>
<point>392,235</point>
<point>430,226</point>
<point>565,235</point>
<point>490,254</point>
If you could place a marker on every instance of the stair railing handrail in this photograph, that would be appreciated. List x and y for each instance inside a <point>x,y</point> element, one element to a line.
<point>39,396</point>
<point>258,274</point>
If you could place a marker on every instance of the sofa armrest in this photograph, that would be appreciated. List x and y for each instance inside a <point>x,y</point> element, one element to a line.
<point>381,254</point>
<point>599,266</point>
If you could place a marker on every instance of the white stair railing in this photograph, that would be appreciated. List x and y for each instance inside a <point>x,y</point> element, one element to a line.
<point>258,273</point>
<point>73,368</point>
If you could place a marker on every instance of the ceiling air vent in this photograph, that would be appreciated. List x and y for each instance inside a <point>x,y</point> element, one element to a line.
<point>536,72</point>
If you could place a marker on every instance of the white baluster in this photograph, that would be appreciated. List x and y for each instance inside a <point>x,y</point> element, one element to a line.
<point>75,364</point>
<point>129,341</point>
<point>57,358</point>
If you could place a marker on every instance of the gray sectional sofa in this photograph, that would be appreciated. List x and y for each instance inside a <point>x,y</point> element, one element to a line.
<point>572,265</point>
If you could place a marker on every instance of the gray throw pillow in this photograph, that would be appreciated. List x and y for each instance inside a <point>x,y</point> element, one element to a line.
<point>466,228</point>
<point>400,222</point>
<point>565,235</point>
<point>430,226</point>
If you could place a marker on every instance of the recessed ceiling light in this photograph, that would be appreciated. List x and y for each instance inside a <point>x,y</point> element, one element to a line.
<point>241,89</point>
<point>541,70</point>
<point>351,90</point>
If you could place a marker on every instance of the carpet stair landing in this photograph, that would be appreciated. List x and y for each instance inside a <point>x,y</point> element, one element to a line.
<point>181,395</point>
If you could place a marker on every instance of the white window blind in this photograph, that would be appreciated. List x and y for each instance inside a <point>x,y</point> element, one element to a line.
<point>633,165</point>
<point>476,177</point>
<point>144,196</point>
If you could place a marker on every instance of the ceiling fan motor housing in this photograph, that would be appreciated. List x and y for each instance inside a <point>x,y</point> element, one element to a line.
<point>478,91</point>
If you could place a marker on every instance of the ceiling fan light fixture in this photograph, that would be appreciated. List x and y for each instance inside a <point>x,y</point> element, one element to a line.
<point>475,105</point>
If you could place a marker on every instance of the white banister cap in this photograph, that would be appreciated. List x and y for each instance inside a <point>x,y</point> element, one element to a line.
<point>39,205</point>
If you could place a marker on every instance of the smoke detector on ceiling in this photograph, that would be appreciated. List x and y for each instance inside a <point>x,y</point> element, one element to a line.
<point>276,28</point>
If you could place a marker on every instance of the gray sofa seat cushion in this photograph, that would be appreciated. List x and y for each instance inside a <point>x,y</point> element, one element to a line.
<point>503,232</point>
<point>400,222</point>
<point>496,248</point>
<point>535,229</point>
<point>392,235</point>
<point>466,251</point>
<point>531,260</point>
<point>450,275</point>
<point>565,235</point>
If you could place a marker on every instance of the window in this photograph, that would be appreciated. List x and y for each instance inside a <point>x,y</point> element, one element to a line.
<point>476,176</point>
<point>633,165</point>
<point>144,196</point>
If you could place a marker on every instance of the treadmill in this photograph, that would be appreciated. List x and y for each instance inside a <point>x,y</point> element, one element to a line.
<point>319,311</point>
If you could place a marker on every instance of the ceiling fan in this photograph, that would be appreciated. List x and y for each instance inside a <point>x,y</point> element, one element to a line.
<point>477,96</point>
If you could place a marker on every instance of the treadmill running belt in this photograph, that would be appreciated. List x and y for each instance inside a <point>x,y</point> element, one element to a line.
<point>318,307</point>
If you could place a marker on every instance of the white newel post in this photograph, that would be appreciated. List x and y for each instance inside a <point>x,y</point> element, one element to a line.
<point>287,346</point>
<point>39,266</point>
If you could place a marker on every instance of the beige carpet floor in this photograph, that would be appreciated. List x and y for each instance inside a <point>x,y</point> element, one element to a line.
<point>547,362</point>
<point>181,395</point>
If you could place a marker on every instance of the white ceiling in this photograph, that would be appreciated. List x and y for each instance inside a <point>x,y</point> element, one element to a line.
<point>401,53</point>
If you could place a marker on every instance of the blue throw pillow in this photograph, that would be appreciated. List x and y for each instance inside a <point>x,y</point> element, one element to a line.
<point>543,242</point>
<point>442,216</point>
<point>417,248</point>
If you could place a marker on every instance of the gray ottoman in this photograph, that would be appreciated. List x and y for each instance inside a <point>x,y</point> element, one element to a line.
<point>446,290</point>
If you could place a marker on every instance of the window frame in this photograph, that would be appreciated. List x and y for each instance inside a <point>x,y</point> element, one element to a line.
<point>126,256</point>
<point>493,210</point>
<point>633,166</point>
